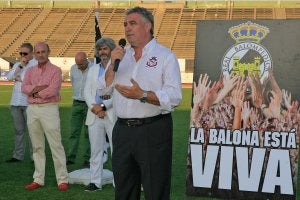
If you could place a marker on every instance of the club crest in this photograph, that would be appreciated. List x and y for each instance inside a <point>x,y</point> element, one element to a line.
<point>152,62</point>
<point>247,56</point>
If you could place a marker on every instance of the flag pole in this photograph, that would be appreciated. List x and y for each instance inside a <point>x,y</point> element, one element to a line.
<point>97,30</point>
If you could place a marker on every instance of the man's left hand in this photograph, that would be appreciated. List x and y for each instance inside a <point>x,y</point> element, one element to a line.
<point>131,92</point>
<point>97,110</point>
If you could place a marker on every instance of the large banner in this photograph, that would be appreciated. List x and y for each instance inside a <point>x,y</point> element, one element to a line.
<point>244,126</point>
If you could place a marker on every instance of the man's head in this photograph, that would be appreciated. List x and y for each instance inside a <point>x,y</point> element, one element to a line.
<point>139,26</point>
<point>103,47</point>
<point>26,52</point>
<point>41,52</point>
<point>81,60</point>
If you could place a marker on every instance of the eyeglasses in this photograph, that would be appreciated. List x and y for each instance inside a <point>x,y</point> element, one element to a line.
<point>23,53</point>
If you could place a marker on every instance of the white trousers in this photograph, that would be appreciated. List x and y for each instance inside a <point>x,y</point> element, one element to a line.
<point>43,120</point>
<point>97,132</point>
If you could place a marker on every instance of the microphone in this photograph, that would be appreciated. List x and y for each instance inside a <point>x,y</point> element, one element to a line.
<point>122,43</point>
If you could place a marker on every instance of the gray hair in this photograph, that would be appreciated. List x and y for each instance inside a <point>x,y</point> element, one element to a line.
<point>105,41</point>
<point>145,14</point>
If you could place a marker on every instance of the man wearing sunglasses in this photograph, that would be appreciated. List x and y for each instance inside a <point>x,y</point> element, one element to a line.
<point>18,102</point>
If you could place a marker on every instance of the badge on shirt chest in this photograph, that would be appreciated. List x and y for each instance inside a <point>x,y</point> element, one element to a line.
<point>152,62</point>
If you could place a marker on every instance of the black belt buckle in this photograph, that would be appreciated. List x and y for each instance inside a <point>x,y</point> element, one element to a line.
<point>134,122</point>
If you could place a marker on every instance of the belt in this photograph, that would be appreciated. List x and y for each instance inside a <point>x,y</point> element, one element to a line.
<point>105,97</point>
<point>134,122</point>
<point>78,101</point>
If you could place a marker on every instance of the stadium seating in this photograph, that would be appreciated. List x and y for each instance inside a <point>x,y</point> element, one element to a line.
<point>68,30</point>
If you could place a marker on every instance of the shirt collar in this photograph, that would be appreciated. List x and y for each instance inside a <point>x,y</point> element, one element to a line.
<point>149,46</point>
<point>108,63</point>
<point>43,66</point>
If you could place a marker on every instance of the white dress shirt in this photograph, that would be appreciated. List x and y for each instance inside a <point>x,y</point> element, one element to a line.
<point>18,98</point>
<point>157,70</point>
<point>78,80</point>
<point>102,89</point>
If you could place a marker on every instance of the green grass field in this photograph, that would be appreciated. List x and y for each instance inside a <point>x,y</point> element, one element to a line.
<point>14,176</point>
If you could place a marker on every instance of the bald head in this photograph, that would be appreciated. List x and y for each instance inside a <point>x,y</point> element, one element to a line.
<point>81,60</point>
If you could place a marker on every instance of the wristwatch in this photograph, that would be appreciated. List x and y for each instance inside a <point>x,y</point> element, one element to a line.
<point>103,106</point>
<point>143,99</point>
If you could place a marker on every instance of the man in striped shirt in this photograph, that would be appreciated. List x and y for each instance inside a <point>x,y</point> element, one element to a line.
<point>42,84</point>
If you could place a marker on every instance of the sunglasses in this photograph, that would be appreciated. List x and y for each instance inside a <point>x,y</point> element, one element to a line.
<point>23,53</point>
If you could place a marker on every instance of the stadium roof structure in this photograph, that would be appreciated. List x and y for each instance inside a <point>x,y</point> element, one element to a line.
<point>150,3</point>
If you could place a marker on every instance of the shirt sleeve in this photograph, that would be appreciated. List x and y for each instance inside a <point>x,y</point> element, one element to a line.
<point>108,103</point>
<point>11,74</point>
<point>27,87</point>
<point>171,93</point>
<point>72,74</point>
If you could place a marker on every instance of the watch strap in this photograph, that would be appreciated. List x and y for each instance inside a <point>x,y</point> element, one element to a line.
<point>143,99</point>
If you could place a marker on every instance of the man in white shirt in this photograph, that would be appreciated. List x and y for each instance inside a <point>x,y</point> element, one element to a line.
<point>147,88</point>
<point>79,73</point>
<point>18,103</point>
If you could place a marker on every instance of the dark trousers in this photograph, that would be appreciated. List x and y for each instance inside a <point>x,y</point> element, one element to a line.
<point>79,111</point>
<point>143,155</point>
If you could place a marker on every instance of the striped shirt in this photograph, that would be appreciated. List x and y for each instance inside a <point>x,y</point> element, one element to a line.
<point>49,75</point>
